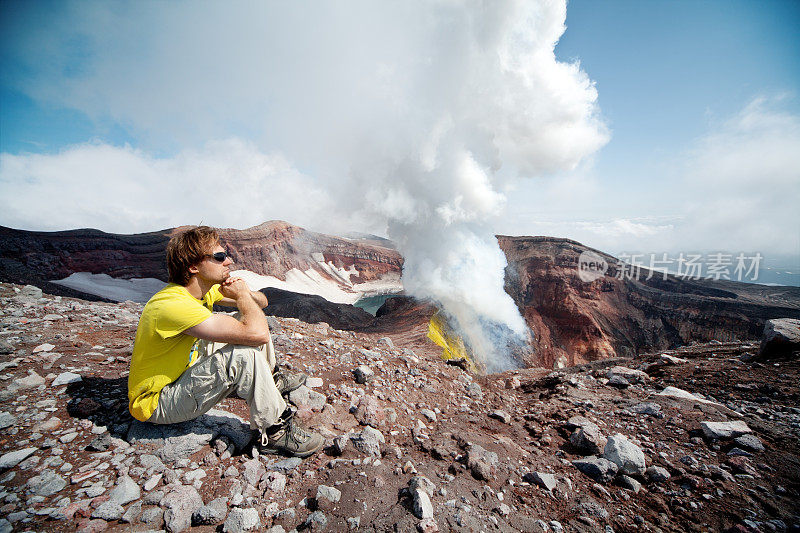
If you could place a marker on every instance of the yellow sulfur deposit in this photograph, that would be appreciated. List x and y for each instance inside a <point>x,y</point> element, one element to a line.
<point>440,332</point>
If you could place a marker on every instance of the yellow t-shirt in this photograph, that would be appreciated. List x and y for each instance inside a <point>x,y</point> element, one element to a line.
<point>161,351</point>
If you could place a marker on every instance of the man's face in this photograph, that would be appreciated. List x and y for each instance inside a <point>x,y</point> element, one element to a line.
<point>213,270</point>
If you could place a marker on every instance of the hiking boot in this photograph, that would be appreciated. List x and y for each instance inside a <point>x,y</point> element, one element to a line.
<point>287,382</point>
<point>290,438</point>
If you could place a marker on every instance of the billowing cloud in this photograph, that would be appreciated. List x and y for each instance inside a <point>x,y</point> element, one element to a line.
<point>125,190</point>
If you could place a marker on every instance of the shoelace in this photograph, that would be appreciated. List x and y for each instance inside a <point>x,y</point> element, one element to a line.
<point>298,431</point>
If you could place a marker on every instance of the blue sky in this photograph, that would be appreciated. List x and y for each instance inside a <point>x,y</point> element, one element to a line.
<point>668,71</point>
<point>679,130</point>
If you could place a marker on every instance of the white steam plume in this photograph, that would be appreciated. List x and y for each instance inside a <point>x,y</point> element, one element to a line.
<point>504,103</point>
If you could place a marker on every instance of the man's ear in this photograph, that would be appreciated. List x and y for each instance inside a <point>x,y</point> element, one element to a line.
<point>193,269</point>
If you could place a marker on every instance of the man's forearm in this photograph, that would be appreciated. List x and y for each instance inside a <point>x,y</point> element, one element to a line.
<point>260,299</point>
<point>252,315</point>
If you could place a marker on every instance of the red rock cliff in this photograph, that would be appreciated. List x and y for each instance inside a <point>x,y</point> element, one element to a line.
<point>609,317</point>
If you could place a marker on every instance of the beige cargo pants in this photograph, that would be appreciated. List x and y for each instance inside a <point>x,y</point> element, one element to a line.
<point>223,370</point>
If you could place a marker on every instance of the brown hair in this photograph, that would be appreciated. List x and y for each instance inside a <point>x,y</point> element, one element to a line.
<point>187,249</point>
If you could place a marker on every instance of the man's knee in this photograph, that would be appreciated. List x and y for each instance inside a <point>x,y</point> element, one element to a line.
<point>241,361</point>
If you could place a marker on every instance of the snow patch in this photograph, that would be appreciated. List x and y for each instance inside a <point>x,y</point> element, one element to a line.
<point>312,282</point>
<point>117,289</point>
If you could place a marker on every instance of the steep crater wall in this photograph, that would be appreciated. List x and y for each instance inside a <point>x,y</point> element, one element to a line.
<point>574,321</point>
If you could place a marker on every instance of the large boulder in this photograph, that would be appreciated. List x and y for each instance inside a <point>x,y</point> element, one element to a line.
<point>180,505</point>
<point>625,454</point>
<point>597,468</point>
<point>214,512</point>
<point>724,430</point>
<point>368,441</point>
<point>240,520</point>
<point>125,491</point>
<point>588,439</point>
<point>781,338</point>
<point>481,462</point>
<point>628,374</point>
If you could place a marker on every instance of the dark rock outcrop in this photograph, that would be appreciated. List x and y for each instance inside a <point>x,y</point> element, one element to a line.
<point>313,309</point>
<point>781,338</point>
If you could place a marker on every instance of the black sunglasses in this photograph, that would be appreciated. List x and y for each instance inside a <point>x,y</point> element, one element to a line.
<point>219,256</point>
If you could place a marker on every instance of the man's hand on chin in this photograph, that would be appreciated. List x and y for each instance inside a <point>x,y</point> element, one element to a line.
<point>234,288</point>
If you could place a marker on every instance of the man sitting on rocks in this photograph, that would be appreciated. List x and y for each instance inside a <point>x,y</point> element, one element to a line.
<point>187,359</point>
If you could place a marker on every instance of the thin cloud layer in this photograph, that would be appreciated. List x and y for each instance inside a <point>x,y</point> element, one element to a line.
<point>743,183</point>
<point>735,189</point>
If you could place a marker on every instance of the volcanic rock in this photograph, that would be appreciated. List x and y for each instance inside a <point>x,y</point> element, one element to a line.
<point>646,408</point>
<point>597,468</point>
<point>618,382</point>
<point>750,442</point>
<point>627,482</point>
<point>29,292</point>
<point>179,505</point>
<point>544,480</point>
<point>133,511</point>
<point>482,463</point>
<point>327,494</point>
<point>369,412</point>
<point>422,483</point>
<point>368,441</point>
<point>724,430</point>
<point>240,520</point>
<point>657,474</point>
<point>588,439</point>
<point>212,513</point>
<point>317,521</point>
<point>153,517</point>
<point>422,504</point>
<point>109,510</point>
<point>65,378</point>
<point>628,374</point>
<point>502,416</point>
<point>363,374</point>
<point>6,420</point>
<point>176,441</point>
<point>125,492</point>
<point>781,338</point>
<point>46,484</point>
<point>303,396</point>
<point>12,459</point>
<point>625,454</point>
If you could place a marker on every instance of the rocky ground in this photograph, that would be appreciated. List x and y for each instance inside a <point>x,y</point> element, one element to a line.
<point>697,439</point>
